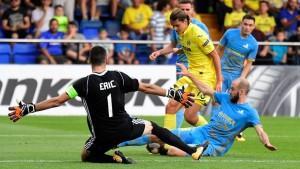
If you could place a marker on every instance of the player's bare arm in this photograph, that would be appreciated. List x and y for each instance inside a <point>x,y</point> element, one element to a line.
<point>17,112</point>
<point>204,88</point>
<point>217,63</point>
<point>264,138</point>
<point>220,50</point>
<point>246,69</point>
<point>178,95</point>
<point>166,50</point>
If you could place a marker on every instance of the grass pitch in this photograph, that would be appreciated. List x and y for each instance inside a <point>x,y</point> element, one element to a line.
<point>37,142</point>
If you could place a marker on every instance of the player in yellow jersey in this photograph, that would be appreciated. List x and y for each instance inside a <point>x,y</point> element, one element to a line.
<point>204,63</point>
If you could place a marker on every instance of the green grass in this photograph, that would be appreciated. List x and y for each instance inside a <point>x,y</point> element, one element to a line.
<point>56,142</point>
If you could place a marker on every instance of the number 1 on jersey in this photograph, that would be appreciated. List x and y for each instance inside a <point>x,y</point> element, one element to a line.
<point>109,104</point>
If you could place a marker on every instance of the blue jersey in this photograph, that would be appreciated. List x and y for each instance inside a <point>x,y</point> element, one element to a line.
<point>225,124</point>
<point>181,58</point>
<point>53,48</point>
<point>237,49</point>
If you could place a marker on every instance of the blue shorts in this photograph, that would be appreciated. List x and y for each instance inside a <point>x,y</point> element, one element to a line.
<point>228,78</point>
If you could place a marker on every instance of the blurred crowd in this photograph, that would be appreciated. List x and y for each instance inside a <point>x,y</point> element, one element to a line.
<point>276,21</point>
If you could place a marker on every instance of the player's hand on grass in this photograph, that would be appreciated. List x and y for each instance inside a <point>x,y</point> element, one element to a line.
<point>17,112</point>
<point>154,55</point>
<point>185,98</point>
<point>270,147</point>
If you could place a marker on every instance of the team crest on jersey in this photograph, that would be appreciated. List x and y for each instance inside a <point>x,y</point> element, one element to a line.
<point>246,46</point>
<point>241,112</point>
<point>188,42</point>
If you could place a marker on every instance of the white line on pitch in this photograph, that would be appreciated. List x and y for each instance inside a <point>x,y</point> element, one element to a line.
<point>162,161</point>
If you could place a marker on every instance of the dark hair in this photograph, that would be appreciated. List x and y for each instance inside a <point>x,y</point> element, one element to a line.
<point>279,30</point>
<point>58,6</point>
<point>178,14</point>
<point>161,4</point>
<point>250,17</point>
<point>97,55</point>
<point>74,23</point>
<point>52,20</point>
<point>186,2</point>
<point>264,1</point>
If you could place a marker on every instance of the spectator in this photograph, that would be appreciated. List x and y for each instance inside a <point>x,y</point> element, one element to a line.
<point>289,17</point>
<point>52,52</point>
<point>251,6</point>
<point>93,9</point>
<point>118,8</point>
<point>4,5</point>
<point>109,47</point>
<point>15,21</point>
<point>77,54</point>
<point>32,4</point>
<point>59,15</point>
<point>158,28</point>
<point>294,51</point>
<point>104,9</point>
<point>264,22</point>
<point>69,7</point>
<point>279,52</point>
<point>222,7</point>
<point>41,17</point>
<point>125,51</point>
<point>263,56</point>
<point>233,19</point>
<point>173,5</point>
<point>136,19</point>
<point>276,5</point>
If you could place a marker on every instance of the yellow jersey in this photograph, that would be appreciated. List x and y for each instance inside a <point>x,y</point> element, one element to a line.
<point>265,23</point>
<point>196,46</point>
<point>253,4</point>
<point>234,18</point>
<point>137,18</point>
<point>228,3</point>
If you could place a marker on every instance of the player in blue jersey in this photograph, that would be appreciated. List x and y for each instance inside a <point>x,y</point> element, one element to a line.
<point>238,49</point>
<point>234,116</point>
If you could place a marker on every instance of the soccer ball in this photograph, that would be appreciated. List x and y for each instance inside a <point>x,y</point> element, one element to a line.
<point>153,148</point>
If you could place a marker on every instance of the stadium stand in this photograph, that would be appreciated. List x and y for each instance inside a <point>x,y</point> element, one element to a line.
<point>5,53</point>
<point>90,29</point>
<point>24,53</point>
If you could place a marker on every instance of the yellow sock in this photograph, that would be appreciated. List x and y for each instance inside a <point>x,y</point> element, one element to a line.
<point>170,121</point>
<point>201,121</point>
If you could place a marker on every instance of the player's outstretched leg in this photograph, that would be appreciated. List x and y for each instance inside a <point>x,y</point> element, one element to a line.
<point>143,140</point>
<point>166,136</point>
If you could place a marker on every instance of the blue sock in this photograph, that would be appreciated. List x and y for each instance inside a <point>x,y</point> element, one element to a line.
<point>179,118</point>
<point>145,139</point>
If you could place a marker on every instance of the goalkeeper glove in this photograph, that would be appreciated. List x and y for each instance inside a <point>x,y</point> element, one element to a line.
<point>22,110</point>
<point>182,97</point>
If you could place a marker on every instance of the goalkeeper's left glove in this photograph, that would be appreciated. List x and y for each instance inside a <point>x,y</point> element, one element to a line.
<point>17,112</point>
<point>185,98</point>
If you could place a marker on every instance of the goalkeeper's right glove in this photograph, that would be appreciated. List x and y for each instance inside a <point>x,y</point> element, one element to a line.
<point>185,98</point>
<point>17,112</point>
